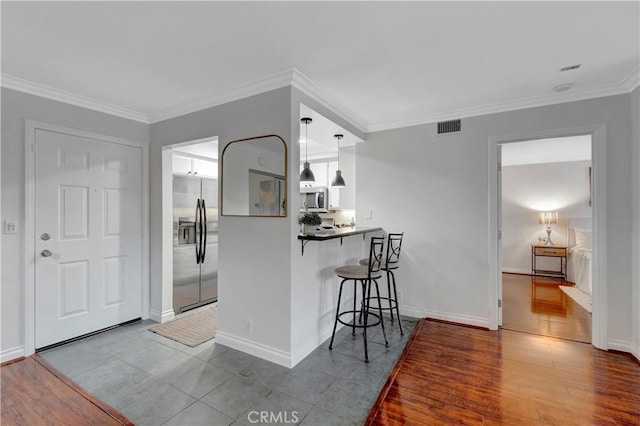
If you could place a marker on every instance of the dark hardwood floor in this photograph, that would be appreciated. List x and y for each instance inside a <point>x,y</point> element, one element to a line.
<point>452,374</point>
<point>537,305</point>
<point>34,393</point>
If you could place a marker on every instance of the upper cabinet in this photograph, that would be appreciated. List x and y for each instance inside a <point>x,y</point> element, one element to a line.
<point>325,171</point>
<point>204,167</point>
<point>319,170</point>
<point>195,166</point>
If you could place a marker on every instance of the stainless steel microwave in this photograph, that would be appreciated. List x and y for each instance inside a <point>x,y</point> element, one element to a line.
<point>316,199</point>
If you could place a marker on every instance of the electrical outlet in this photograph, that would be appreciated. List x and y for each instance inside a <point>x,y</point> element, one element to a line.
<point>248,326</point>
<point>400,295</point>
<point>369,214</point>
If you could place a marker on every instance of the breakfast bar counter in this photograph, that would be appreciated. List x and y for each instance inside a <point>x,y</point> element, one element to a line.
<point>330,234</point>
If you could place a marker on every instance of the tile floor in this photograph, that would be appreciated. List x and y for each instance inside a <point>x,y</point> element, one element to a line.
<point>156,381</point>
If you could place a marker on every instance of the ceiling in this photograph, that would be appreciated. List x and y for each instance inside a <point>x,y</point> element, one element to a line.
<point>380,65</point>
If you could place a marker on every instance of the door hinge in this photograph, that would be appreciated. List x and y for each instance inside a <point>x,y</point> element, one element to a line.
<point>499,235</point>
<point>499,167</point>
<point>499,303</point>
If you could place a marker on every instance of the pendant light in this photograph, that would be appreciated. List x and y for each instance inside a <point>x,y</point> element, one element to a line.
<point>338,180</point>
<point>306,176</point>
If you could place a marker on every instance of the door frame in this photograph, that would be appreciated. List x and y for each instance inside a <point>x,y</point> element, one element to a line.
<point>598,134</point>
<point>166,312</point>
<point>31,126</point>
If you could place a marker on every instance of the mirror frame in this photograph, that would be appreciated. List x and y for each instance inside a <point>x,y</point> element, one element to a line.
<point>286,177</point>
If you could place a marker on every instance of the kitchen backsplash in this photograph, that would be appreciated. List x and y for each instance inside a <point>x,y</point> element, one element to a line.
<point>341,217</point>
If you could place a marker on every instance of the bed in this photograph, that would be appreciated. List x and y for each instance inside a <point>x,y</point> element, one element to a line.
<point>579,261</point>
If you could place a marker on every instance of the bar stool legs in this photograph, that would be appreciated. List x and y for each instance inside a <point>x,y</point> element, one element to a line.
<point>366,294</point>
<point>395,297</point>
<point>391,263</point>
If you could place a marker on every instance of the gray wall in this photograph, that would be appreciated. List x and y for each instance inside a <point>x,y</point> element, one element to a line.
<point>16,107</point>
<point>254,253</point>
<point>526,186</point>
<point>313,282</point>
<point>436,189</point>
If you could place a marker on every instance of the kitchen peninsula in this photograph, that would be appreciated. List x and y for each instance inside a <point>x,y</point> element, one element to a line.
<point>334,233</point>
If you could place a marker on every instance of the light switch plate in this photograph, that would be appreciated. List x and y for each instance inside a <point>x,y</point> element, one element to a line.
<point>10,227</point>
<point>369,214</point>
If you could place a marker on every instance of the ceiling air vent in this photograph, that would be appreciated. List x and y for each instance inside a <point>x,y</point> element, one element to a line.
<point>570,67</point>
<point>450,126</point>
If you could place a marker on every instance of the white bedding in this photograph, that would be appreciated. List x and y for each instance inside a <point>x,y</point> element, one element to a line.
<point>580,265</point>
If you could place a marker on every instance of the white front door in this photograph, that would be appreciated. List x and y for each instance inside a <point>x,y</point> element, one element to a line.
<point>88,231</point>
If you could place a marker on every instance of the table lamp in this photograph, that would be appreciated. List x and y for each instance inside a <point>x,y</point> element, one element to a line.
<point>548,218</point>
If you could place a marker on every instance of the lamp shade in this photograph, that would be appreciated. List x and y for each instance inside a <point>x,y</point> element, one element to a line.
<point>548,218</point>
<point>338,180</point>
<point>306,175</point>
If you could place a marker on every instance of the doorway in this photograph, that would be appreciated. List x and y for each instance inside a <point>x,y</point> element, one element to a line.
<point>598,188</point>
<point>190,225</point>
<point>546,271</point>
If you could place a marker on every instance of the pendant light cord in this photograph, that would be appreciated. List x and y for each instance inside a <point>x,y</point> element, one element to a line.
<point>338,137</point>
<point>306,141</point>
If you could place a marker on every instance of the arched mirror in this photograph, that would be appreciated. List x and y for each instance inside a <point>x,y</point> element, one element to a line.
<point>254,177</point>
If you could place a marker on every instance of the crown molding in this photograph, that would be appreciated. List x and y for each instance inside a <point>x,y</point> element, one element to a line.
<point>327,100</point>
<point>627,85</point>
<point>37,89</point>
<point>632,81</point>
<point>293,77</point>
<point>273,82</point>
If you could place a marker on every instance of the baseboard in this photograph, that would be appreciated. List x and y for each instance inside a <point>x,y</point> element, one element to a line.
<point>312,345</point>
<point>516,271</point>
<point>161,317</point>
<point>13,353</point>
<point>256,349</point>
<point>444,316</point>
<point>619,345</point>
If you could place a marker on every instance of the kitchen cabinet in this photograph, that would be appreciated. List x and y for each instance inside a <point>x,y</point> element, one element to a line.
<point>204,167</point>
<point>181,165</point>
<point>342,198</point>
<point>319,170</point>
<point>195,166</point>
<point>325,171</point>
<point>334,192</point>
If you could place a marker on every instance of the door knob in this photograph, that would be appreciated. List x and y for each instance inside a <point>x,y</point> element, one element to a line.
<point>45,253</point>
<point>45,237</point>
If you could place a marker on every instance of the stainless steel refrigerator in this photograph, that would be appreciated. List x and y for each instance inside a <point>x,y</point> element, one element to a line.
<point>195,242</point>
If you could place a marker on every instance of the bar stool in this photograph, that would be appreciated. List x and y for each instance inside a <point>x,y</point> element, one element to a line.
<point>392,262</point>
<point>365,274</point>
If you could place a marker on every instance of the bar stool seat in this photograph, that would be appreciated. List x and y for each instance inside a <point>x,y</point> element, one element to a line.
<point>357,272</point>
<point>367,275</point>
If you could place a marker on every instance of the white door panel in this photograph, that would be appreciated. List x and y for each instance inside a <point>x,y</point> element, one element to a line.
<point>89,202</point>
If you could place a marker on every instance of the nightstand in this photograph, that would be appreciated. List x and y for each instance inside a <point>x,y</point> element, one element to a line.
<point>557,251</point>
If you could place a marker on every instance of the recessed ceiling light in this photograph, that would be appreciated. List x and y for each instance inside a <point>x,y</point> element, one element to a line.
<point>570,67</point>
<point>563,87</point>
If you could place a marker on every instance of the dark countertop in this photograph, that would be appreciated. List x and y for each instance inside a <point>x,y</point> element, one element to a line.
<point>328,234</point>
